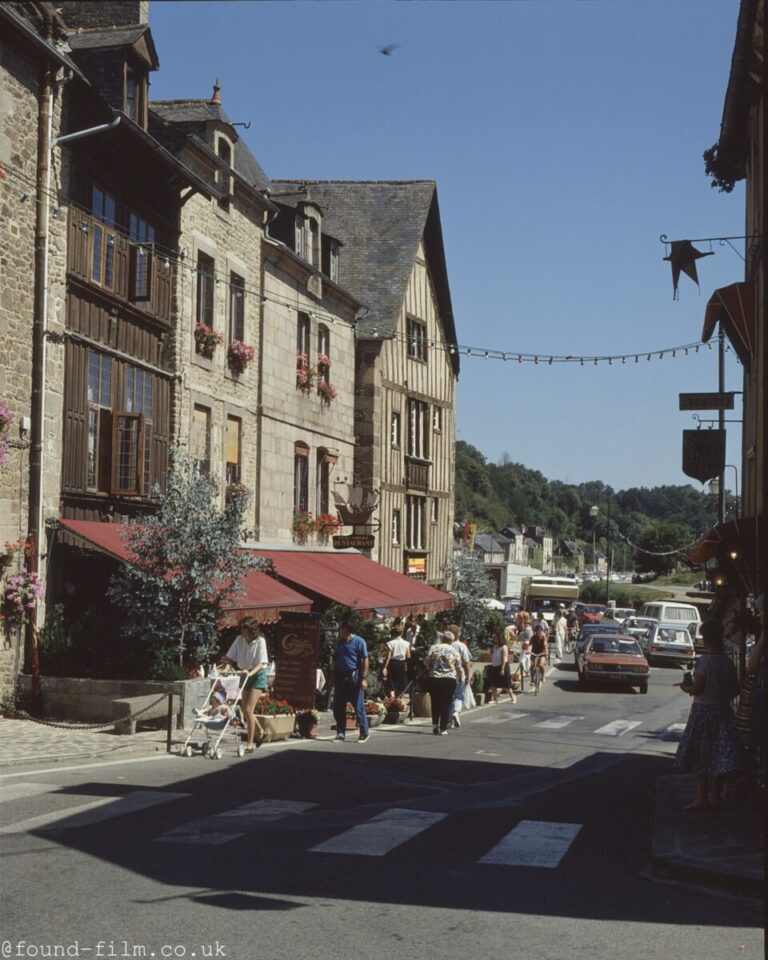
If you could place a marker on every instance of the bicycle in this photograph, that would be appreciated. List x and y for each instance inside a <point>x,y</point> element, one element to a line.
<point>537,671</point>
<point>570,643</point>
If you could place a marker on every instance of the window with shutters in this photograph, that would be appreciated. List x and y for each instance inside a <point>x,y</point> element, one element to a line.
<point>138,399</point>
<point>325,462</point>
<point>233,447</point>
<point>200,439</point>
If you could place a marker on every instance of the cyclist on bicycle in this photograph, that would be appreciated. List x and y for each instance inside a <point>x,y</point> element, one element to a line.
<point>538,649</point>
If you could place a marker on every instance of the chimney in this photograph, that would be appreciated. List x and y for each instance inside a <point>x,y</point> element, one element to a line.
<point>216,96</point>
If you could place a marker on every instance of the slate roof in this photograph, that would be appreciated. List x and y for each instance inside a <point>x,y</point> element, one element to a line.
<point>380,224</point>
<point>193,115</point>
<point>106,37</point>
<point>488,543</point>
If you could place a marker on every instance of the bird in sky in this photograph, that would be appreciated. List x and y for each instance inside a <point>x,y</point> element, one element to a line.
<point>387,50</point>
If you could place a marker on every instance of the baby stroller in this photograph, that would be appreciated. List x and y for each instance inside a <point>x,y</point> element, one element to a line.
<point>220,712</point>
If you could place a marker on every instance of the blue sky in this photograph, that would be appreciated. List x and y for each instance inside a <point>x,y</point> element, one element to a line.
<point>564,138</point>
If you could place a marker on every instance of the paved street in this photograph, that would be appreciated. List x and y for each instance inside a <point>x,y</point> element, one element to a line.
<point>526,831</point>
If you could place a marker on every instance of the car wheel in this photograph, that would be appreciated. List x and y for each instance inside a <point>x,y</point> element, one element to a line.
<point>643,688</point>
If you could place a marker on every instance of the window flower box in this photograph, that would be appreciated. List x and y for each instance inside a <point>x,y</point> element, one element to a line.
<point>303,526</point>
<point>326,391</point>
<point>326,524</point>
<point>305,375</point>
<point>206,340</point>
<point>239,356</point>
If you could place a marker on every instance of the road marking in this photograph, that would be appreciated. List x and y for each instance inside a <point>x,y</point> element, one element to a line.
<point>673,732</point>
<point>18,791</point>
<point>95,811</point>
<point>534,843</point>
<point>88,766</point>
<point>230,824</point>
<point>486,753</point>
<point>381,834</point>
<point>557,723</point>
<point>618,728</point>
<point>500,718</point>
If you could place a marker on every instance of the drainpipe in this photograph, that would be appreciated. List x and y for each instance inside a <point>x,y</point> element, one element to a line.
<point>260,391</point>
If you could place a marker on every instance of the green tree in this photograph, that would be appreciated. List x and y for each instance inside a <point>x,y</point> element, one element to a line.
<point>662,547</point>
<point>187,564</point>
<point>471,584</point>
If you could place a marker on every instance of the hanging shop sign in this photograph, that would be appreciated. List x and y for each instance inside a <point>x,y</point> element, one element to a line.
<point>296,658</point>
<point>706,401</point>
<point>703,454</point>
<point>416,567</point>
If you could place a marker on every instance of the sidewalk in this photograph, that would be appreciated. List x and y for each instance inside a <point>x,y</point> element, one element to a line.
<point>716,848</point>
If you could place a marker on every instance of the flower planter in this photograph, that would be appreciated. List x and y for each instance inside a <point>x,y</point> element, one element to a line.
<point>350,723</point>
<point>395,716</point>
<point>278,727</point>
<point>374,719</point>
<point>422,704</point>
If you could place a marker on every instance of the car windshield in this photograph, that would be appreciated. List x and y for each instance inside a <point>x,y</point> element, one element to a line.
<point>590,628</point>
<point>610,645</point>
<point>668,635</point>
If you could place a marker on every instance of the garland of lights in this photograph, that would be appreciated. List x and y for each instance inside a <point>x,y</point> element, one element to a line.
<point>169,259</point>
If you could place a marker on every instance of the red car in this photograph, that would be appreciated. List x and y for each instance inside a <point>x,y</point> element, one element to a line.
<point>592,613</point>
<point>613,658</point>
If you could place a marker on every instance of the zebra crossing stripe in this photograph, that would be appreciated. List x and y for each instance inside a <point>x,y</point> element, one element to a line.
<point>230,824</point>
<point>95,811</point>
<point>381,834</point>
<point>533,843</point>
<point>557,723</point>
<point>618,728</point>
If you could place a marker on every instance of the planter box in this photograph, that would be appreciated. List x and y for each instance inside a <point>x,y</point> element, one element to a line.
<point>374,719</point>
<point>422,704</point>
<point>394,717</point>
<point>279,727</point>
<point>350,723</point>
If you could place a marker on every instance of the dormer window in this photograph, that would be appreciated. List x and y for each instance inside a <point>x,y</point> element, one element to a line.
<point>298,242</point>
<point>313,246</point>
<point>333,261</point>
<point>136,96</point>
<point>224,175</point>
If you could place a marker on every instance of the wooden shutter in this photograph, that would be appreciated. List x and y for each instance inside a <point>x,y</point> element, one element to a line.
<point>75,441</point>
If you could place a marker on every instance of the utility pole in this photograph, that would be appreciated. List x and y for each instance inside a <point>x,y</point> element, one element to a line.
<point>721,420</point>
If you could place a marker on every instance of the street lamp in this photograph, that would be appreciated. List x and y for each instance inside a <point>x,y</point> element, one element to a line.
<point>593,512</point>
<point>714,488</point>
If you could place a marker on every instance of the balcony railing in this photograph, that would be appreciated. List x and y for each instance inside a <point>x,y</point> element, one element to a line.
<point>417,474</point>
<point>127,270</point>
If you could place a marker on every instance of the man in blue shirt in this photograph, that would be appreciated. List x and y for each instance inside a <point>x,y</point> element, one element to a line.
<point>351,680</point>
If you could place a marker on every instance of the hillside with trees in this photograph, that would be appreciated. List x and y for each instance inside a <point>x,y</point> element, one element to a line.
<point>659,519</point>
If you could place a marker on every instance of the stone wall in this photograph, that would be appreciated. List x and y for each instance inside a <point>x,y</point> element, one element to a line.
<point>105,14</point>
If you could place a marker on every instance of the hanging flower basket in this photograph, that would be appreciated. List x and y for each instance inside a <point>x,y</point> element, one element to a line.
<point>239,356</point>
<point>206,339</point>
<point>305,376</point>
<point>326,391</point>
<point>22,591</point>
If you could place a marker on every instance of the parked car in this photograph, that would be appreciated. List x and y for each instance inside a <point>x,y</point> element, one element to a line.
<point>613,658</point>
<point>592,613</point>
<point>619,613</point>
<point>638,626</point>
<point>668,643</point>
<point>588,630</point>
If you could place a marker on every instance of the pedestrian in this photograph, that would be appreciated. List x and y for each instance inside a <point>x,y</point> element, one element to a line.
<point>542,623</point>
<point>466,671</point>
<point>709,746</point>
<point>525,636</point>
<point>395,669</point>
<point>443,665</point>
<point>249,654</point>
<point>500,675</point>
<point>560,629</point>
<point>539,647</point>
<point>351,680</point>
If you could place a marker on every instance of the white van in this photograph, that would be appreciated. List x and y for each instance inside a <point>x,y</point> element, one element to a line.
<point>669,611</point>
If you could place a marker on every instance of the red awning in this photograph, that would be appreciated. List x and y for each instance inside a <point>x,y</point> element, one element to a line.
<point>263,596</point>
<point>734,541</point>
<point>733,307</point>
<point>357,582</point>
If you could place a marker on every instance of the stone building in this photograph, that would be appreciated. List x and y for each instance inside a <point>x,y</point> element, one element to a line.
<point>391,256</point>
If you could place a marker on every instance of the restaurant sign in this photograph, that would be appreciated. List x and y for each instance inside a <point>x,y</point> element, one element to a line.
<point>296,658</point>
<point>416,567</point>
<point>703,454</point>
<point>356,540</point>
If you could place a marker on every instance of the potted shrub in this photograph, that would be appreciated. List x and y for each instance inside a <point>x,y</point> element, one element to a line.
<point>239,356</point>
<point>374,710</point>
<point>206,340</point>
<point>396,710</point>
<point>350,716</point>
<point>277,718</point>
